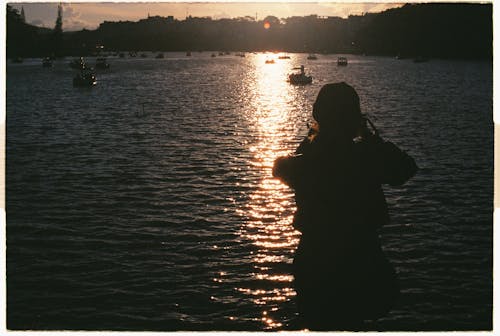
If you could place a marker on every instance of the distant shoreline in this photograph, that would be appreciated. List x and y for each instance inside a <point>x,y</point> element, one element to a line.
<point>415,30</point>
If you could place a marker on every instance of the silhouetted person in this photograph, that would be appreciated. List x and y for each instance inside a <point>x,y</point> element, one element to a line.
<point>341,275</point>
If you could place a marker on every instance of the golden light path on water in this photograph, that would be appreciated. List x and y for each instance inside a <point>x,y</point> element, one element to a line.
<point>271,207</point>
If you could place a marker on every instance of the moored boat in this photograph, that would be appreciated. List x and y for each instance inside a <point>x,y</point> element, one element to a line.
<point>101,63</point>
<point>420,59</point>
<point>78,64</point>
<point>299,78</point>
<point>342,61</point>
<point>47,62</point>
<point>84,79</point>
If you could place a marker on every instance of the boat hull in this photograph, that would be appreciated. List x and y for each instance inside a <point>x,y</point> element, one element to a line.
<point>299,79</point>
<point>86,81</point>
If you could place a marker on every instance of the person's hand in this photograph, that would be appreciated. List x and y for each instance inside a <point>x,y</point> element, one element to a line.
<point>364,132</point>
<point>279,163</point>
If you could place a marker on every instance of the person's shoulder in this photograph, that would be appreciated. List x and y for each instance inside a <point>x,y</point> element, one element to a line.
<point>393,165</point>
<point>308,142</point>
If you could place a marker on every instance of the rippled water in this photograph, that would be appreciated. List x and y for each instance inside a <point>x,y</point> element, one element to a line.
<point>147,202</point>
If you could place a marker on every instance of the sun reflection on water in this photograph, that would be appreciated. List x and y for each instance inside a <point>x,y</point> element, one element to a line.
<point>270,207</point>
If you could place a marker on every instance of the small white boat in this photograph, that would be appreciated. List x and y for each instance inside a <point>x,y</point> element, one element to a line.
<point>299,78</point>
<point>341,61</point>
<point>47,62</point>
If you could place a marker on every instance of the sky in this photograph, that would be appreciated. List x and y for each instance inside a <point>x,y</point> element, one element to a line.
<point>78,15</point>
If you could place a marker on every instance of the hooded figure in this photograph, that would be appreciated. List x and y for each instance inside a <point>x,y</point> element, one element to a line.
<point>341,275</point>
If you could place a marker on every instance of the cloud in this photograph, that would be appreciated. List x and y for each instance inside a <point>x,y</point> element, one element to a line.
<point>346,9</point>
<point>72,19</point>
<point>378,7</point>
<point>38,23</point>
<point>79,15</point>
<point>221,15</point>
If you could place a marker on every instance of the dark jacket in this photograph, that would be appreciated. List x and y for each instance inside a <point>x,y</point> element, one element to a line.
<point>335,180</point>
<point>340,207</point>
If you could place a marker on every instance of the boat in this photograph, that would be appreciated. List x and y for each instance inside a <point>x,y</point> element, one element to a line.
<point>160,55</point>
<point>78,64</point>
<point>47,62</point>
<point>283,57</point>
<point>299,78</point>
<point>240,54</point>
<point>270,61</point>
<point>101,63</point>
<point>420,59</point>
<point>188,53</point>
<point>84,79</point>
<point>341,61</point>
<point>213,55</point>
<point>221,53</point>
<point>132,54</point>
<point>144,55</point>
<point>312,57</point>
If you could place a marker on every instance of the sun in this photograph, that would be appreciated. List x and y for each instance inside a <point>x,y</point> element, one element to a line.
<point>267,25</point>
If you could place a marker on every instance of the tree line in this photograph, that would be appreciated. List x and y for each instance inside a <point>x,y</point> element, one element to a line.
<point>456,30</point>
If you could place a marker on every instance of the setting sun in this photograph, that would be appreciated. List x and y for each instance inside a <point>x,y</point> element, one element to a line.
<point>267,25</point>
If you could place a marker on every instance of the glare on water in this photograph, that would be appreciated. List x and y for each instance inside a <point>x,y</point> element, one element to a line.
<point>270,207</point>
<point>170,218</point>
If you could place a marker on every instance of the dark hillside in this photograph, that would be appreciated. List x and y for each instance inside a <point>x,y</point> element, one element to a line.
<point>457,30</point>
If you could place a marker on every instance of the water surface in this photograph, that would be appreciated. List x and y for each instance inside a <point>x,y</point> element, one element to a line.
<point>147,202</point>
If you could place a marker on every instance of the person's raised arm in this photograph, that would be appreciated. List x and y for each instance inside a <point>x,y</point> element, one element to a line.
<point>393,166</point>
<point>288,169</point>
